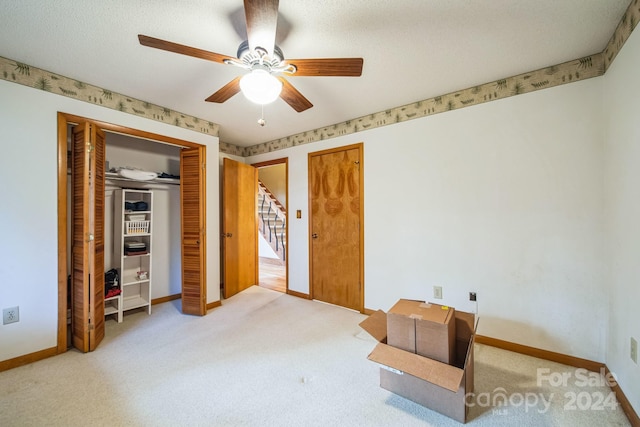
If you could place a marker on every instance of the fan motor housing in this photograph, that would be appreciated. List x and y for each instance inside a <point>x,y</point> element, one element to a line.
<point>244,50</point>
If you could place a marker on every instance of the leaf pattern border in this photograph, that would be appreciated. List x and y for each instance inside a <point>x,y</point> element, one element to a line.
<point>18,72</point>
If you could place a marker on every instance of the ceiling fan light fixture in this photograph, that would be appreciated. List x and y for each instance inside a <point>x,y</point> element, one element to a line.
<point>260,86</point>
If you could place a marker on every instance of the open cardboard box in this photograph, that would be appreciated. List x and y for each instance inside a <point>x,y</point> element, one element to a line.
<point>433,384</point>
<point>423,328</point>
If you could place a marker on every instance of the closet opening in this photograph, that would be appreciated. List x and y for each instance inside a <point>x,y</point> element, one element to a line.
<point>141,225</point>
<point>154,270</point>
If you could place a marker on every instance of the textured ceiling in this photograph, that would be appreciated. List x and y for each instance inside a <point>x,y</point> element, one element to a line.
<point>412,50</point>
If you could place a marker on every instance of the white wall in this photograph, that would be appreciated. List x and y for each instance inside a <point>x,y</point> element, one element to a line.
<point>274,178</point>
<point>264,248</point>
<point>503,198</point>
<point>123,150</point>
<point>622,213</point>
<point>28,216</point>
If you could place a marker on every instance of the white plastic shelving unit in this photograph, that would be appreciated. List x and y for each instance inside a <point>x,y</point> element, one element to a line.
<point>132,226</point>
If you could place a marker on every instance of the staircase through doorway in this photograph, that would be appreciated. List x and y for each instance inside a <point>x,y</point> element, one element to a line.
<point>272,226</point>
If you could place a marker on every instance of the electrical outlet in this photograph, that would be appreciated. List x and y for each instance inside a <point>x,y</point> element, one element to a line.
<point>472,296</point>
<point>10,315</point>
<point>634,350</point>
<point>437,292</point>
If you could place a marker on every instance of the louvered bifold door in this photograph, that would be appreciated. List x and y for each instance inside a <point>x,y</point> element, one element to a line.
<point>96,304</point>
<point>87,251</point>
<point>192,200</point>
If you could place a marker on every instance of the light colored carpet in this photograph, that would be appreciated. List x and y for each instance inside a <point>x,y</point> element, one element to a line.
<point>265,359</point>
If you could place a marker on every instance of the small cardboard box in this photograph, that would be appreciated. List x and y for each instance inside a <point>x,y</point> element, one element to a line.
<point>423,328</point>
<point>430,383</point>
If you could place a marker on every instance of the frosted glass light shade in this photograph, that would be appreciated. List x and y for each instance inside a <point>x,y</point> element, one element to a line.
<point>260,86</point>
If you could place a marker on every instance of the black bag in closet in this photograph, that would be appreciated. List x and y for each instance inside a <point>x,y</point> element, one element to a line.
<point>111,281</point>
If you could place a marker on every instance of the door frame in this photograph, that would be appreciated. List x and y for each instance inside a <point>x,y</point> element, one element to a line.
<point>285,161</point>
<point>64,120</point>
<point>360,147</point>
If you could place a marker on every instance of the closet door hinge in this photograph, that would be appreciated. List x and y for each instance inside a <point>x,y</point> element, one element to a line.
<point>90,147</point>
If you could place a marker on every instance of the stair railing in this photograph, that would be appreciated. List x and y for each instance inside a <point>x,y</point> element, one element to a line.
<point>270,213</point>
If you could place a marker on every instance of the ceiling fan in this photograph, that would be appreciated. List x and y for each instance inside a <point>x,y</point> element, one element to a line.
<point>264,60</point>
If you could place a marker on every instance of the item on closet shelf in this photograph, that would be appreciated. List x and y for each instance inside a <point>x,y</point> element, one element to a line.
<point>135,248</point>
<point>140,206</point>
<point>137,174</point>
<point>142,275</point>
<point>137,217</point>
<point>132,252</point>
<point>165,175</point>
<point>136,206</point>
<point>111,283</point>
<point>135,244</point>
<point>112,293</point>
<point>137,227</point>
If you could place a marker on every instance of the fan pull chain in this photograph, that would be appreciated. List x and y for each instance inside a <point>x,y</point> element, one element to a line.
<point>261,120</point>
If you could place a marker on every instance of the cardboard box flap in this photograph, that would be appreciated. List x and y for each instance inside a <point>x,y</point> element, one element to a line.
<point>376,325</point>
<point>422,311</point>
<point>466,325</point>
<point>438,373</point>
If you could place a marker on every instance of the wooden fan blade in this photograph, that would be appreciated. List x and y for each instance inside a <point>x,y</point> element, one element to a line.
<point>262,20</point>
<point>226,92</point>
<point>346,67</point>
<point>182,49</point>
<point>291,96</point>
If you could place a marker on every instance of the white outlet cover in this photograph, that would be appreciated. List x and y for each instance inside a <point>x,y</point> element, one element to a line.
<point>437,292</point>
<point>10,315</point>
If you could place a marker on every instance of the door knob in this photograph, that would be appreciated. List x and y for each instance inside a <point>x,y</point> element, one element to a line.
<point>314,235</point>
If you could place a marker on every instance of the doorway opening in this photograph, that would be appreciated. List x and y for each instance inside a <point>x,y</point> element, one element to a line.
<point>273,222</point>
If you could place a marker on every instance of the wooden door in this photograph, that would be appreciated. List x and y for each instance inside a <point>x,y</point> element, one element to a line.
<point>192,201</point>
<point>336,226</point>
<point>87,251</point>
<point>239,226</point>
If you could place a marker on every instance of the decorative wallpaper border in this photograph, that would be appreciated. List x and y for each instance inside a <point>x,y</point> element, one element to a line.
<point>568,72</point>
<point>621,34</point>
<point>18,72</point>
<point>227,148</point>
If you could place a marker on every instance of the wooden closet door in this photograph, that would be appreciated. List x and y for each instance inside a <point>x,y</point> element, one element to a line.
<point>87,252</point>
<point>192,201</point>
